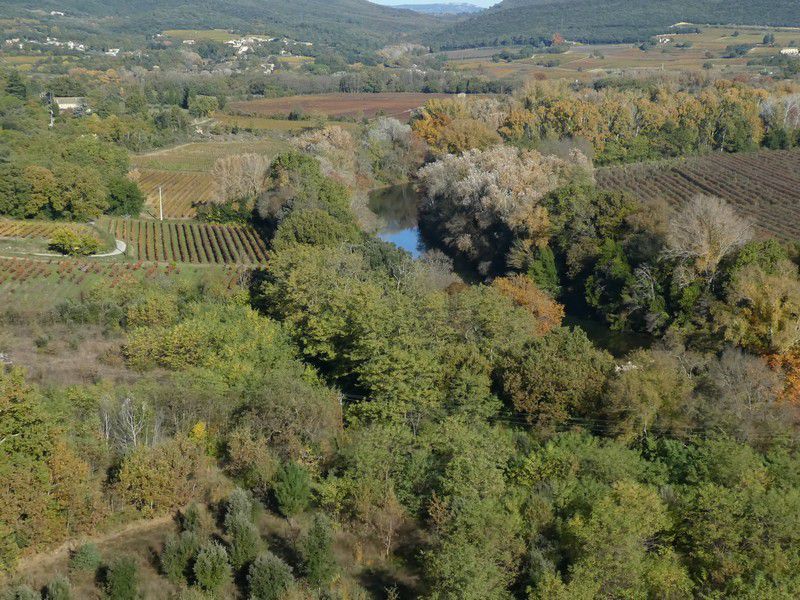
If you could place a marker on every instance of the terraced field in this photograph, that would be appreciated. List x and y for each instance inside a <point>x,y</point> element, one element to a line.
<point>187,242</point>
<point>38,229</point>
<point>764,186</point>
<point>180,191</point>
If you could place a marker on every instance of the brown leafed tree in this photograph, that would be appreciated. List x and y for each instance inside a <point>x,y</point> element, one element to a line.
<point>239,177</point>
<point>704,231</point>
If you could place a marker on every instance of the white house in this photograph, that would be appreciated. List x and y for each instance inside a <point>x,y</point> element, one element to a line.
<point>790,51</point>
<point>71,103</point>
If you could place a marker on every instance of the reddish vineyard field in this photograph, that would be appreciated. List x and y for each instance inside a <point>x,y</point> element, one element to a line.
<point>393,104</point>
<point>37,229</point>
<point>763,186</point>
<point>199,243</point>
<point>181,191</point>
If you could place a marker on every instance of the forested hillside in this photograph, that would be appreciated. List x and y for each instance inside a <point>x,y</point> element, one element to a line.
<point>338,22</point>
<point>607,21</point>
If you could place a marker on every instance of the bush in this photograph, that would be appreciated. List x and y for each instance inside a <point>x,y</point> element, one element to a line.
<point>212,569</point>
<point>67,241</point>
<point>85,558</point>
<point>292,490</point>
<point>178,554</point>
<point>58,589</point>
<point>194,520</point>
<point>245,540</point>
<point>122,579</point>
<point>21,592</point>
<point>269,578</point>
<point>316,551</point>
<point>239,505</point>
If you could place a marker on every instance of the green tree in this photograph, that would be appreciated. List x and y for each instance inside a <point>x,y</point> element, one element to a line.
<point>178,554</point>
<point>315,227</point>
<point>269,578</point>
<point>245,540</point>
<point>122,579</point>
<point>212,570</point>
<point>86,557</point>
<point>15,86</point>
<point>203,106</point>
<point>316,552</point>
<point>553,378</point>
<point>124,197</point>
<point>292,490</point>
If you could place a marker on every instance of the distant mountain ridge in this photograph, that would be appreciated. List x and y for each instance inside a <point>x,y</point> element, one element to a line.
<point>443,8</point>
<point>607,20</point>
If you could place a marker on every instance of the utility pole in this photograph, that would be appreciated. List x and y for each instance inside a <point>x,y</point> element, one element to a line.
<point>160,205</point>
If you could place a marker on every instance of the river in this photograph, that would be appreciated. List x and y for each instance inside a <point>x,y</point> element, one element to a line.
<point>398,208</point>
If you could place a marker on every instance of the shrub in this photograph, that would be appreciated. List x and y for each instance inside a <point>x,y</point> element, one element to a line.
<point>239,505</point>
<point>194,520</point>
<point>67,241</point>
<point>22,592</point>
<point>85,558</point>
<point>269,578</point>
<point>316,550</point>
<point>122,579</point>
<point>178,553</point>
<point>58,589</point>
<point>292,490</point>
<point>212,569</point>
<point>245,540</point>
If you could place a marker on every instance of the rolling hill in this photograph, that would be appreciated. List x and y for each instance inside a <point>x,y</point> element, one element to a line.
<point>444,8</point>
<point>607,20</point>
<point>339,23</point>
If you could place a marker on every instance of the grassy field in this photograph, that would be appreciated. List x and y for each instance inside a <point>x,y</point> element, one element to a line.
<point>201,156</point>
<point>763,186</point>
<point>335,105</point>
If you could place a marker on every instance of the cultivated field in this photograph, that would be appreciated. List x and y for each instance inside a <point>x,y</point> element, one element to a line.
<point>180,191</point>
<point>764,186</point>
<point>201,156</point>
<point>198,243</point>
<point>38,229</point>
<point>679,52</point>
<point>335,105</point>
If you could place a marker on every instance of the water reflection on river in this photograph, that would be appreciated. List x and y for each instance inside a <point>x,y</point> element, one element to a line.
<point>397,207</point>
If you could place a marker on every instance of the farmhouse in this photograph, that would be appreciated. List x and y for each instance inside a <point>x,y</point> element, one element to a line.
<point>71,103</point>
<point>790,51</point>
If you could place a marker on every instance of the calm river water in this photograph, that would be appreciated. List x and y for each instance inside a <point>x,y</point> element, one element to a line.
<point>397,205</point>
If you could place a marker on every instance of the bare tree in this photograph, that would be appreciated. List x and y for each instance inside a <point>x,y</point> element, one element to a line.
<point>128,423</point>
<point>239,177</point>
<point>704,231</point>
